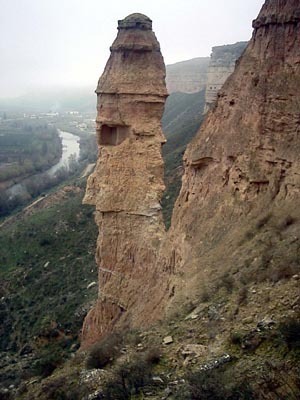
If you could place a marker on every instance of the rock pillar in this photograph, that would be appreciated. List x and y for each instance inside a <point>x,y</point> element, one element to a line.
<point>127,184</point>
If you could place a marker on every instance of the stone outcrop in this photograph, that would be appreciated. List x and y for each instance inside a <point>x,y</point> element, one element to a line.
<point>221,66</point>
<point>238,211</point>
<point>127,184</point>
<point>242,168</point>
<point>187,76</point>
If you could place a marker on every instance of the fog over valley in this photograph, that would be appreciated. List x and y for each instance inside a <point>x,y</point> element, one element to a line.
<point>64,43</point>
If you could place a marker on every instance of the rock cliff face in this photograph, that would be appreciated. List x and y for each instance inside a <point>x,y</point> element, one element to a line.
<point>238,211</point>
<point>221,66</point>
<point>242,169</point>
<point>187,76</point>
<point>127,184</point>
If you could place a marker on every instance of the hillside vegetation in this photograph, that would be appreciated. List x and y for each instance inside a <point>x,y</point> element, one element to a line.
<point>26,148</point>
<point>47,262</point>
<point>182,117</point>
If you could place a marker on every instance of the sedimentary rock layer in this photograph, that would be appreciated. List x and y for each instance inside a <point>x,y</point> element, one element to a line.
<point>244,162</point>
<point>241,170</point>
<point>221,66</point>
<point>187,76</point>
<point>127,184</point>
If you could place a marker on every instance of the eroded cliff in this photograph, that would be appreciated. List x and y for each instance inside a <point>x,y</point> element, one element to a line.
<point>237,214</point>
<point>238,209</point>
<point>221,66</point>
<point>127,184</point>
<point>187,76</point>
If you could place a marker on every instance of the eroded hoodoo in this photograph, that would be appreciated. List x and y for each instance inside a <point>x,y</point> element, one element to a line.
<point>127,184</point>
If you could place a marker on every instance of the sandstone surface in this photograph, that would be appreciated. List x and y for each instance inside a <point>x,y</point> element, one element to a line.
<point>236,220</point>
<point>238,209</point>
<point>127,184</point>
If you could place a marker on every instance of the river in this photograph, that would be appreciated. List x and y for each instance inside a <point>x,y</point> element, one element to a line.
<point>70,147</point>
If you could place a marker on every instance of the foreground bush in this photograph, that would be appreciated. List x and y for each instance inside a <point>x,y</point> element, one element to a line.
<point>213,385</point>
<point>58,389</point>
<point>104,352</point>
<point>290,331</point>
<point>129,380</point>
<point>48,360</point>
<point>132,378</point>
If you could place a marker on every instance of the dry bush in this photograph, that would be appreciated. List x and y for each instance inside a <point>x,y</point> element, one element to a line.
<point>59,389</point>
<point>290,332</point>
<point>129,380</point>
<point>263,221</point>
<point>104,352</point>
<point>243,296</point>
<point>153,356</point>
<point>286,222</point>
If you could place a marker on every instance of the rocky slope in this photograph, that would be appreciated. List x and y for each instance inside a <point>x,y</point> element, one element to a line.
<point>187,76</point>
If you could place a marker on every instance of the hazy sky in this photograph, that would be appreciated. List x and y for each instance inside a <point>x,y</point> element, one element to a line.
<point>47,43</point>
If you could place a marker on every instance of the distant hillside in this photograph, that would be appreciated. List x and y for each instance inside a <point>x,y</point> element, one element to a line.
<point>187,76</point>
<point>181,120</point>
<point>56,100</point>
<point>221,66</point>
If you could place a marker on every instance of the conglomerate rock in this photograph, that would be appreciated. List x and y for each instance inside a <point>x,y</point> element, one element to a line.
<point>127,184</point>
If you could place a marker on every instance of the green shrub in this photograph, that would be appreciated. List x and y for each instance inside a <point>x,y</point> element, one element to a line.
<point>133,377</point>
<point>286,222</point>
<point>275,384</point>
<point>263,221</point>
<point>242,391</point>
<point>5,396</point>
<point>48,360</point>
<point>205,385</point>
<point>205,295</point>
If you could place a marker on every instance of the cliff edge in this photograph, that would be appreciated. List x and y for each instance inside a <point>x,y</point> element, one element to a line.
<point>238,209</point>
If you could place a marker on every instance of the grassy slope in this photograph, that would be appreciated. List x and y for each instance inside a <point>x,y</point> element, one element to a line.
<point>47,261</point>
<point>47,256</point>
